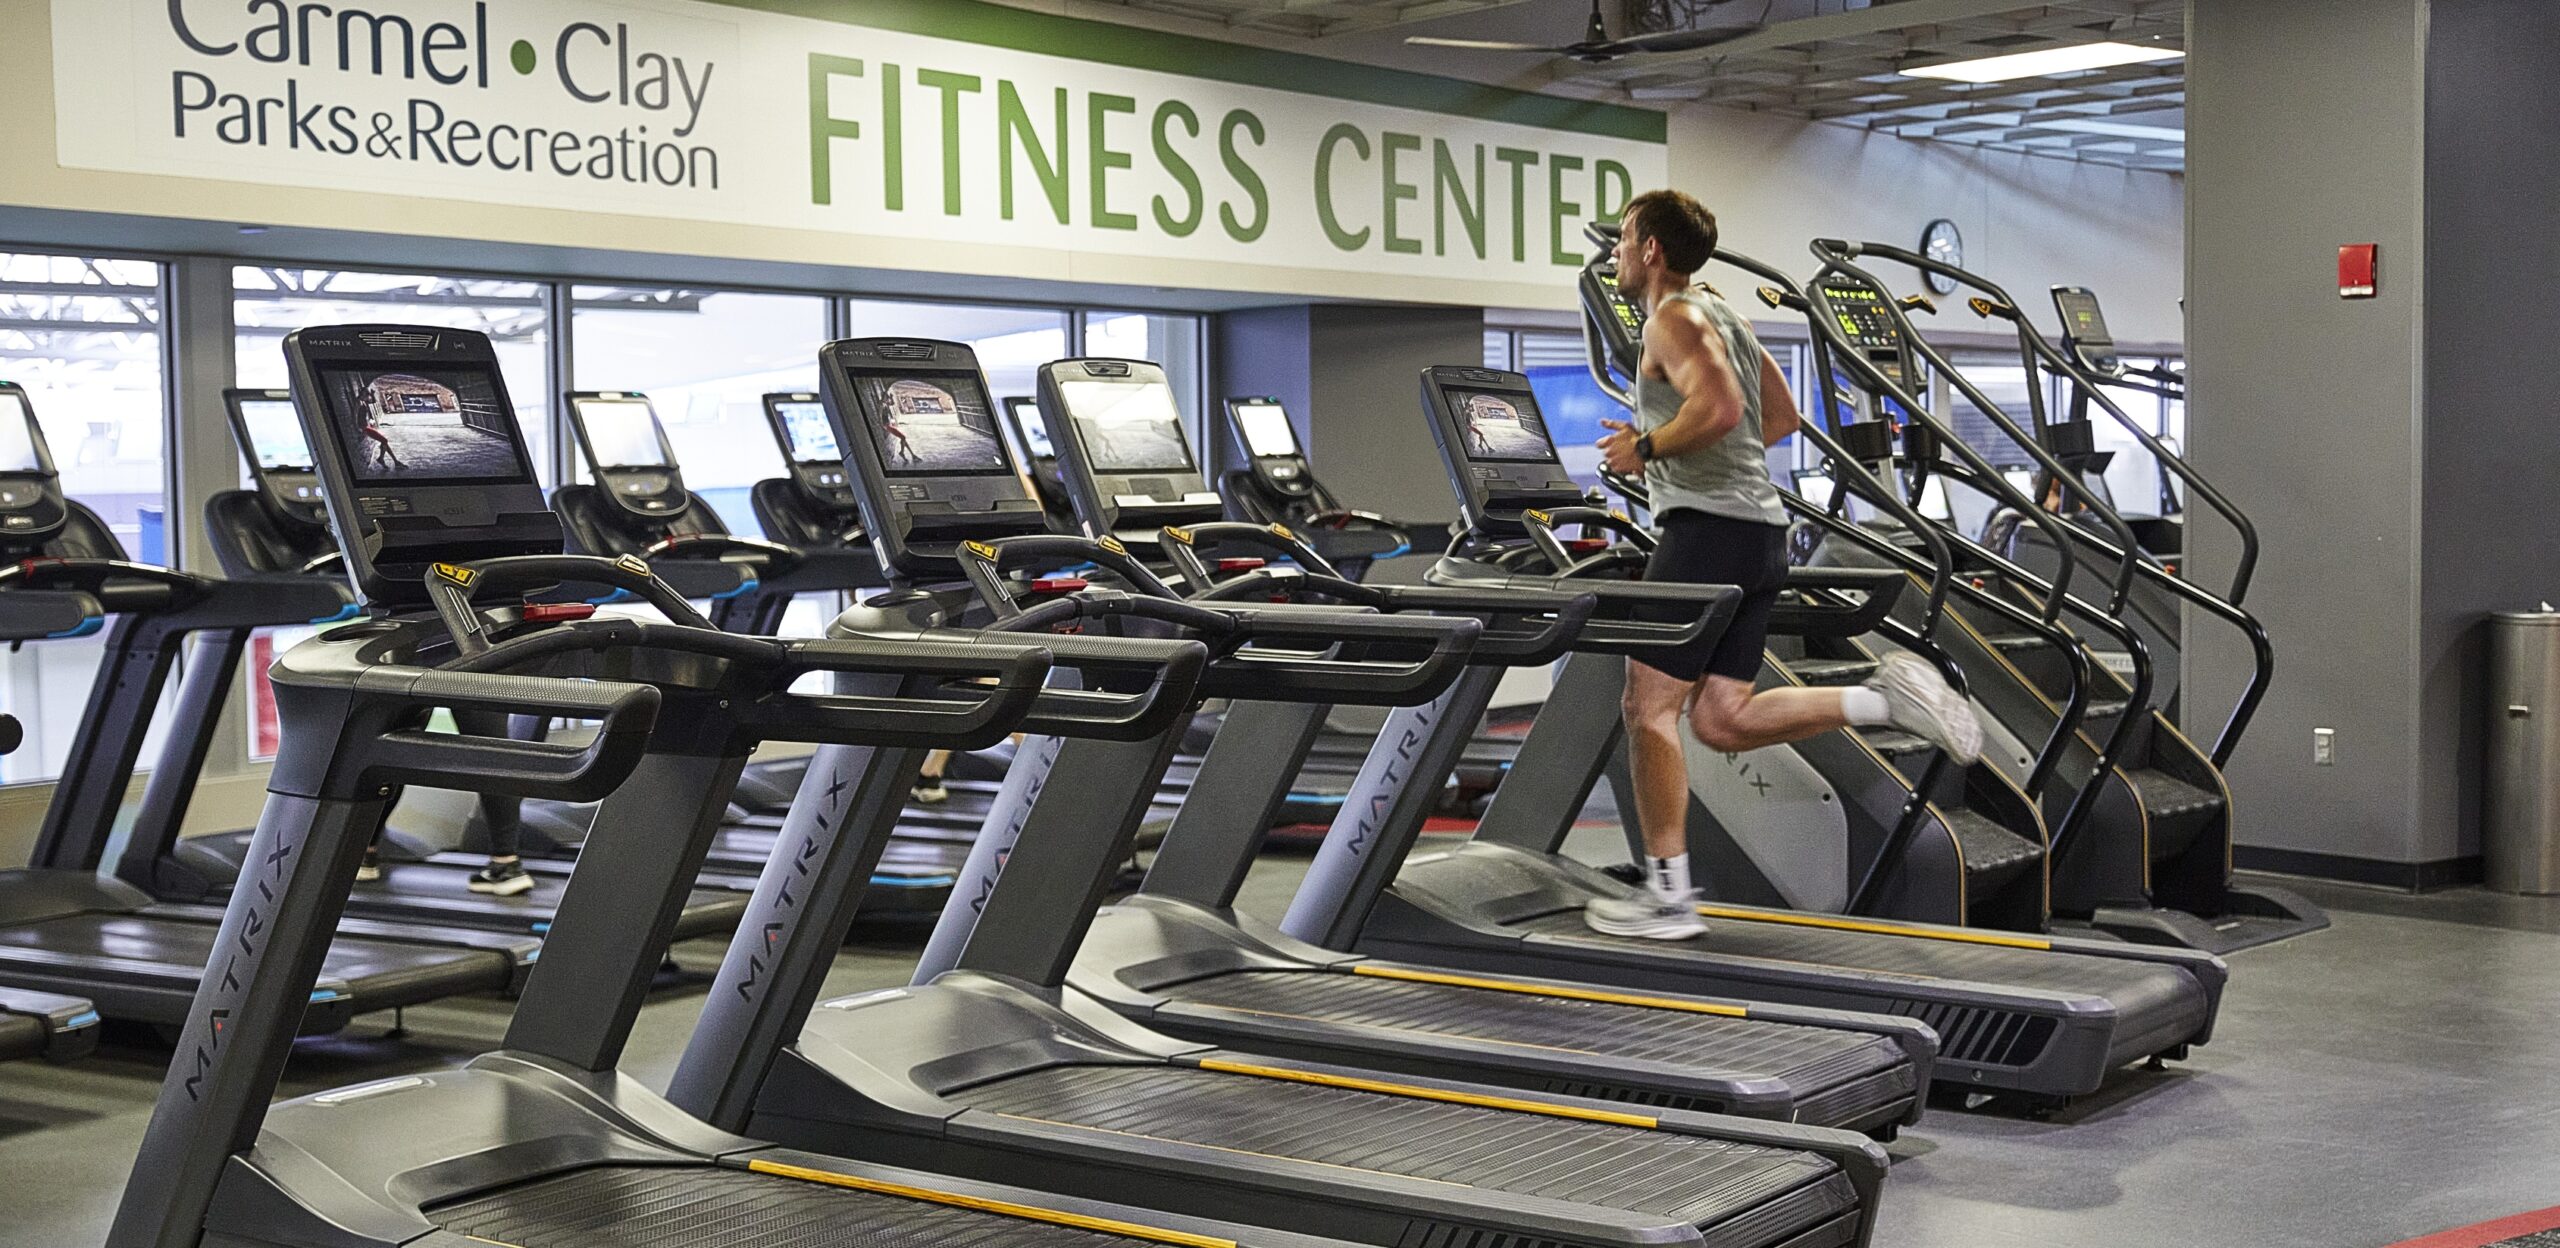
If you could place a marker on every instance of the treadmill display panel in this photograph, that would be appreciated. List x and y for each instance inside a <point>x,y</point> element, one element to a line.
<point>1267,433</point>
<point>622,433</point>
<point>275,435</point>
<point>932,423</point>
<point>17,436</point>
<point>1128,425</point>
<point>1501,425</point>
<point>1628,318</point>
<point>414,426</point>
<point>2080,315</point>
<point>1025,412</point>
<point>812,435</point>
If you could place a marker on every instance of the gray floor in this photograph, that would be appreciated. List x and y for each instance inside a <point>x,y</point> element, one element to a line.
<point>2387,1078</point>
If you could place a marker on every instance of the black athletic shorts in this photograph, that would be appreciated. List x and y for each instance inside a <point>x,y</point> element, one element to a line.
<point>1700,549</point>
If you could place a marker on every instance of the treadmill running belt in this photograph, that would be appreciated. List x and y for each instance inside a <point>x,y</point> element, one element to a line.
<point>127,949</point>
<point>1700,1181</point>
<point>687,1207</point>
<point>1809,1057</point>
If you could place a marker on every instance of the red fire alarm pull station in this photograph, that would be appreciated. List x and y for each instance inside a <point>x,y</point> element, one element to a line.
<point>2357,266</point>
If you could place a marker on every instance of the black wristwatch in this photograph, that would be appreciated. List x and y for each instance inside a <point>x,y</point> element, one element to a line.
<point>1644,447</point>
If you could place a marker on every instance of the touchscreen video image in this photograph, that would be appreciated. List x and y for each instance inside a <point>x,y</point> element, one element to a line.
<point>1127,426</point>
<point>17,437</point>
<point>622,432</point>
<point>275,434</point>
<point>444,425</point>
<point>1501,426</point>
<point>933,424</point>
<point>813,436</point>
<point>1266,429</point>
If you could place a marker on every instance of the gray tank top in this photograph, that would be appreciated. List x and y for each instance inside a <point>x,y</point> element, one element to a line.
<point>1729,478</point>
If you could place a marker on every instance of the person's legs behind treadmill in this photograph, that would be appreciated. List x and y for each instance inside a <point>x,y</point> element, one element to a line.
<point>505,875</point>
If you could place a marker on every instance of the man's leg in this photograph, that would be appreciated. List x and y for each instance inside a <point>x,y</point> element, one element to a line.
<point>1730,717</point>
<point>1651,708</point>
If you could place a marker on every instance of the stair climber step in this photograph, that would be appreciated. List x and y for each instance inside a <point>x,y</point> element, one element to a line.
<point>1993,855</point>
<point>2014,643</point>
<point>2165,796</point>
<point>2104,711</point>
<point>1894,743</point>
<point>1832,672</point>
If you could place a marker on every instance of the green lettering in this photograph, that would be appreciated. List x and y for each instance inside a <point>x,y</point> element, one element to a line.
<point>824,126</point>
<point>1246,179</point>
<point>952,86</point>
<point>1559,208</point>
<point>1102,160</point>
<point>1013,123</point>
<point>1179,169</point>
<point>893,139</point>
<point>1519,161</point>
<point>1446,189</point>
<point>1608,207</point>
<point>1396,191</point>
<point>1342,238</point>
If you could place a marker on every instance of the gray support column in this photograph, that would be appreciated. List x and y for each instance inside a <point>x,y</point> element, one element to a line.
<point>1242,782</point>
<point>200,350</point>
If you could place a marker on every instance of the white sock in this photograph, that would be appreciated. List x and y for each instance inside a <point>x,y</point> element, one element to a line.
<point>1865,708</point>
<point>1671,877</point>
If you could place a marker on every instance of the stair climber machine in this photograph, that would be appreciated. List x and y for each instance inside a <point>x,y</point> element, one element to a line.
<point>2090,347</point>
<point>1177,957</point>
<point>1863,820</point>
<point>65,928</point>
<point>990,1063</point>
<point>1129,472</point>
<point>277,533</point>
<point>2043,1018</point>
<point>2141,816</point>
<point>44,1024</point>
<point>1278,486</point>
<point>639,505</point>
<point>543,1143</point>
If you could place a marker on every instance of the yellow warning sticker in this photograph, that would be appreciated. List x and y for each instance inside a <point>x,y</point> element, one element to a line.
<point>456,574</point>
<point>1113,545</point>
<point>982,550</point>
<point>1283,530</point>
<point>1539,517</point>
<point>634,565</point>
<point>1180,534</point>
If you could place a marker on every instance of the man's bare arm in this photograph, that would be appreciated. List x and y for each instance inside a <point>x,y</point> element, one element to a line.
<point>1693,358</point>
<point>1779,418</point>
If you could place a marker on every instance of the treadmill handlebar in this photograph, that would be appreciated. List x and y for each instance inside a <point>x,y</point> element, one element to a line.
<point>119,585</point>
<point>1363,662</point>
<point>1542,523</point>
<point>453,588</point>
<point>1529,628</point>
<point>985,565</point>
<point>1182,545</point>
<point>689,546</point>
<point>27,614</point>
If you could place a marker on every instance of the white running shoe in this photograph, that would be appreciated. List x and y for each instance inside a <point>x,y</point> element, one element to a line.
<point>1925,705</point>
<point>501,879</point>
<point>1645,916</point>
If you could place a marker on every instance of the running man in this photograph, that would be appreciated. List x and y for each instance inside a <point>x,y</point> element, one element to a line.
<point>1709,400</point>
<point>377,439</point>
<point>905,452</point>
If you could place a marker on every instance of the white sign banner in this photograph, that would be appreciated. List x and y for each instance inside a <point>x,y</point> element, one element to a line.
<point>715,113</point>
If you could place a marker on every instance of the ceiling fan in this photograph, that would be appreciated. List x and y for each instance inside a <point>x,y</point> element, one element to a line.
<point>1596,47</point>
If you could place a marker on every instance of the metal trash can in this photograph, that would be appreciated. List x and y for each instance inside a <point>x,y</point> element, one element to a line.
<point>2520,806</point>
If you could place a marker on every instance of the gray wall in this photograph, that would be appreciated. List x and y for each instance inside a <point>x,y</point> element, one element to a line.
<point>2489,529</point>
<point>2304,127</point>
<point>1349,373</point>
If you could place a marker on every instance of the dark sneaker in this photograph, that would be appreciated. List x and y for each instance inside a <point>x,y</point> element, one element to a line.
<point>370,870</point>
<point>929,791</point>
<point>1926,706</point>
<point>1644,916</point>
<point>502,879</point>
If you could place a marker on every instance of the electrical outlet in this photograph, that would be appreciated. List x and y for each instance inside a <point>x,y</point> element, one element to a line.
<point>2324,747</point>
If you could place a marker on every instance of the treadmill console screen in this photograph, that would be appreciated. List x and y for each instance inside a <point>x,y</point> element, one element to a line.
<point>1501,426</point>
<point>275,435</point>
<point>17,436</point>
<point>1025,412</point>
<point>622,433</point>
<point>1267,433</point>
<point>812,438</point>
<point>424,425</point>
<point>932,423</point>
<point>1127,424</point>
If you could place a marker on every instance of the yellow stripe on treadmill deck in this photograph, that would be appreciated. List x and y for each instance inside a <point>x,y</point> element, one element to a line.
<point>1108,1226</point>
<point>1431,1094</point>
<point>1551,990</point>
<point>1876,929</point>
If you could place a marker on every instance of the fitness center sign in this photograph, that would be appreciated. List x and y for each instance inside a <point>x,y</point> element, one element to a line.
<point>1024,129</point>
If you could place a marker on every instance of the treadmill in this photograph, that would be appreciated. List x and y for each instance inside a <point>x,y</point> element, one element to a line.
<point>1039,460</point>
<point>277,534</point>
<point>994,1067</point>
<point>639,505</point>
<point>544,1143</point>
<point>1178,958</point>
<point>43,1024</point>
<point>1278,486</point>
<point>2042,1017</point>
<point>66,929</point>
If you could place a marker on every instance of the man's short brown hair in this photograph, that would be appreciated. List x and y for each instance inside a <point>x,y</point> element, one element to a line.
<point>1684,227</point>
